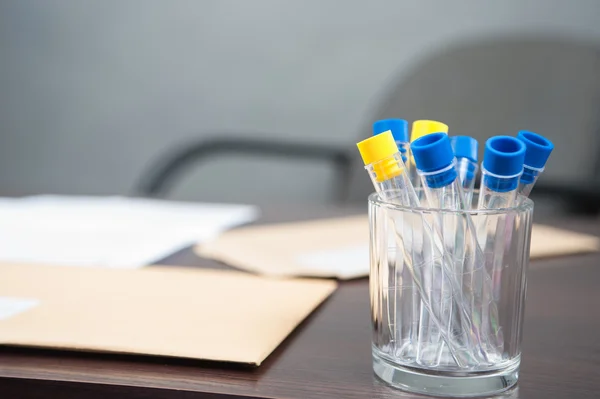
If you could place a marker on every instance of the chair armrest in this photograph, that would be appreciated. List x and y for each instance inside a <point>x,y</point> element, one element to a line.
<point>160,177</point>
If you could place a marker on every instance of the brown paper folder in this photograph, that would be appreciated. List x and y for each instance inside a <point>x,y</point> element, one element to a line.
<point>549,241</point>
<point>166,311</point>
<point>339,247</point>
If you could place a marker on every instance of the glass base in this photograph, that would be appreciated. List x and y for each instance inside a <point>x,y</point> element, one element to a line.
<point>438,383</point>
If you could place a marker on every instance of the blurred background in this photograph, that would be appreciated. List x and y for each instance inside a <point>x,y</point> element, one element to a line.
<point>262,101</point>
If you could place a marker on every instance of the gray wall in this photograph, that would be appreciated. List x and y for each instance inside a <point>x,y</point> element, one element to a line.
<point>91,92</point>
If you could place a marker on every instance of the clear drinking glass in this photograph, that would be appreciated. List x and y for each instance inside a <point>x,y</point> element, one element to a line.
<point>401,284</point>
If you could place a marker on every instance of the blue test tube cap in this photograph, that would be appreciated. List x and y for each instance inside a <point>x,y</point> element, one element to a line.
<point>399,128</point>
<point>465,147</point>
<point>433,152</point>
<point>503,158</point>
<point>537,151</point>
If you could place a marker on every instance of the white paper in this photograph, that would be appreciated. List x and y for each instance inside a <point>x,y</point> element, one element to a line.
<point>108,231</point>
<point>10,306</point>
<point>345,262</point>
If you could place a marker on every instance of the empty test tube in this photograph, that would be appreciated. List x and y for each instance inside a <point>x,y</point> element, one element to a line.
<point>537,152</point>
<point>384,161</point>
<point>435,161</point>
<point>502,168</point>
<point>465,151</point>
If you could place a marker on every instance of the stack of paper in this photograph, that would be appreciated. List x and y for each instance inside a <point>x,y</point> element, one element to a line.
<point>108,231</point>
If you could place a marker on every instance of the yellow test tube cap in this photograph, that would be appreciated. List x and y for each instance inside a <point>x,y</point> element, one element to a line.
<point>424,127</point>
<point>378,148</point>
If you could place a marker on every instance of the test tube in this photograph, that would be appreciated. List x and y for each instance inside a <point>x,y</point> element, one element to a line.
<point>465,151</point>
<point>537,152</point>
<point>435,161</point>
<point>422,128</point>
<point>399,129</point>
<point>388,174</point>
<point>501,170</point>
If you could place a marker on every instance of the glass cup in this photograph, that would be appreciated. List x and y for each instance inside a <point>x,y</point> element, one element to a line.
<point>444,324</point>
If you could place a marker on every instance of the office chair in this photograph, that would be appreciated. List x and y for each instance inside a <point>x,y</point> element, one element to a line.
<point>500,86</point>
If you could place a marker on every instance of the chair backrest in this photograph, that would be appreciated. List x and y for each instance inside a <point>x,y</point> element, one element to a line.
<point>499,87</point>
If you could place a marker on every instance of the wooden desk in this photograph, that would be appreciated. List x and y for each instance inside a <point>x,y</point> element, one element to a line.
<point>329,355</point>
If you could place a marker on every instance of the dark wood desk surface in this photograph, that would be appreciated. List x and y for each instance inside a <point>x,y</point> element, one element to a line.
<point>329,355</point>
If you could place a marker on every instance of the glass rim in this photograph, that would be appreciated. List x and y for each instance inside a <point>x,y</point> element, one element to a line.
<point>525,205</point>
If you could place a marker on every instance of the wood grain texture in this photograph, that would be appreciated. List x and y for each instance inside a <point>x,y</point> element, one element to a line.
<point>328,356</point>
